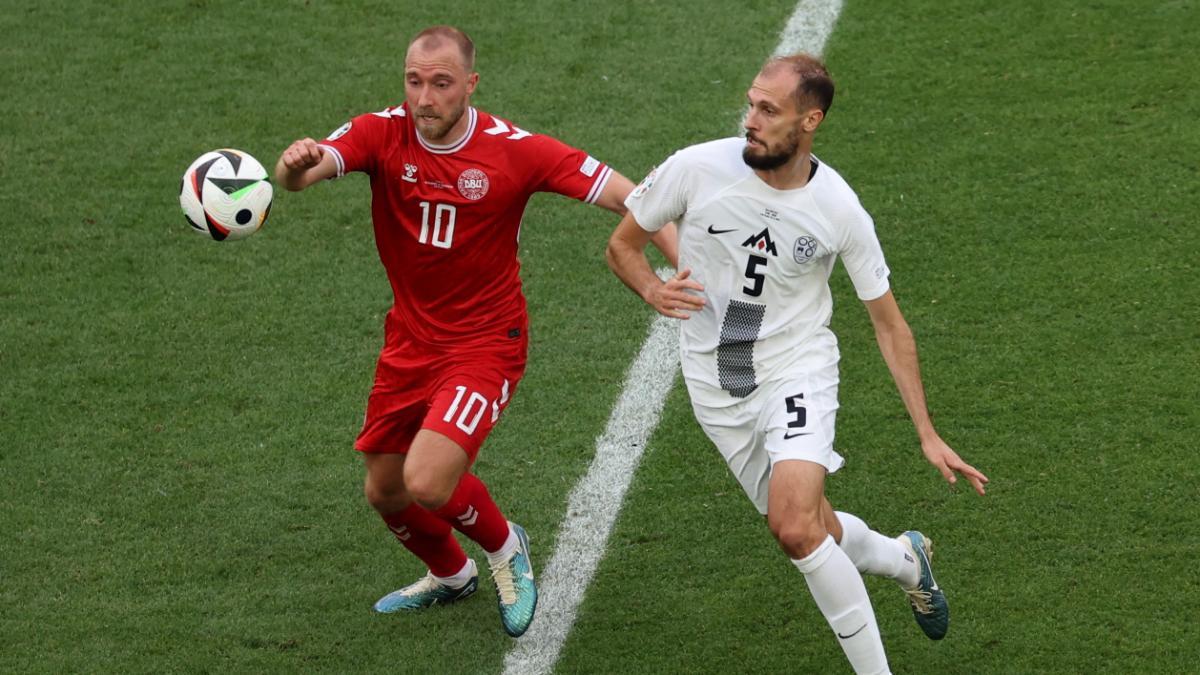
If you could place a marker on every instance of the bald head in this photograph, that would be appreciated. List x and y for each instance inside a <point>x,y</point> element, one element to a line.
<point>814,87</point>
<point>437,37</point>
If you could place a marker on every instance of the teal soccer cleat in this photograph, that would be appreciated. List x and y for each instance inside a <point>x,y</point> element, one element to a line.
<point>426,592</point>
<point>516,592</point>
<point>928,602</point>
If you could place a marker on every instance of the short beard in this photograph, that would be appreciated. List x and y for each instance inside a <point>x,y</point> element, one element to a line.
<point>439,132</point>
<point>769,160</point>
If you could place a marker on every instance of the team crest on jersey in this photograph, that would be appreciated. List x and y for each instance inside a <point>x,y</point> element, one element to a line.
<point>762,242</point>
<point>473,184</point>
<point>339,132</point>
<point>805,249</point>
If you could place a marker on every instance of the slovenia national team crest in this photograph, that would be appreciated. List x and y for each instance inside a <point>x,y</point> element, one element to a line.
<point>473,184</point>
<point>805,249</point>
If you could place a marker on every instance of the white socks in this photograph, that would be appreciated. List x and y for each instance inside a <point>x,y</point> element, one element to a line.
<point>876,554</point>
<point>832,573</point>
<point>841,596</point>
<point>461,577</point>
<point>506,551</point>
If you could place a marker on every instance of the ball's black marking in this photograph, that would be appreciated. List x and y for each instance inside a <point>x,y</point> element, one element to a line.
<point>234,158</point>
<point>201,173</point>
<point>215,229</point>
<point>232,185</point>
<point>242,217</point>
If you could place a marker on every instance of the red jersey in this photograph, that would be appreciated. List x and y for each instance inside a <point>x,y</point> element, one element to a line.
<point>447,217</point>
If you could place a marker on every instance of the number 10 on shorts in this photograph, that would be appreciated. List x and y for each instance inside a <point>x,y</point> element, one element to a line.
<point>468,419</point>
<point>474,407</point>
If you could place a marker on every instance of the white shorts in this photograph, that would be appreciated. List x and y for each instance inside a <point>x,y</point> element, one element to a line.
<point>791,417</point>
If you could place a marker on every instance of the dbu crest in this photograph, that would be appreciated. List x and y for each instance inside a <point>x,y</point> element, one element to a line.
<point>473,184</point>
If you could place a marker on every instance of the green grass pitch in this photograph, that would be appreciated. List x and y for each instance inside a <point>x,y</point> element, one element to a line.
<point>177,486</point>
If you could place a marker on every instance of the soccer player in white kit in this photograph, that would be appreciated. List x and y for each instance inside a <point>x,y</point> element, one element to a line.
<point>760,223</point>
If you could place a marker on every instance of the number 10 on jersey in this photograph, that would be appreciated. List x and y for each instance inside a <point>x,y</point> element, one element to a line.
<point>443,224</point>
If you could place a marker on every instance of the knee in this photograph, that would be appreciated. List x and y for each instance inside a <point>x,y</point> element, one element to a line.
<point>799,536</point>
<point>386,496</point>
<point>427,488</point>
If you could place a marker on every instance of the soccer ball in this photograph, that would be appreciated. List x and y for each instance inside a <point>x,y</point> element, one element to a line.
<point>226,195</point>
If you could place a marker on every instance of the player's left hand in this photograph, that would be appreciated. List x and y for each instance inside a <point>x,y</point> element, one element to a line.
<point>949,463</point>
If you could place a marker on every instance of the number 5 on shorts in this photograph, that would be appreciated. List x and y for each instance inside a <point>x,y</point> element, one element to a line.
<point>795,406</point>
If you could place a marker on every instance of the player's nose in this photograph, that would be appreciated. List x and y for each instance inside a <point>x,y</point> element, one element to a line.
<point>751,123</point>
<point>423,96</point>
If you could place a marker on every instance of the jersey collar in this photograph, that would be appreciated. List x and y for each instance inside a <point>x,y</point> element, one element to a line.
<point>472,120</point>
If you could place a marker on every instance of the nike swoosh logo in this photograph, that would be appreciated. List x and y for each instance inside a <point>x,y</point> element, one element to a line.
<point>527,575</point>
<point>798,433</point>
<point>925,559</point>
<point>847,637</point>
<point>713,230</point>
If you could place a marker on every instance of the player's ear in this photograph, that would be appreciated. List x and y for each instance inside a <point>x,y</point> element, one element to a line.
<point>472,81</point>
<point>811,120</point>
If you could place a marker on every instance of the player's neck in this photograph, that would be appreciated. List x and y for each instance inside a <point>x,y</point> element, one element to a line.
<point>460,128</point>
<point>795,174</point>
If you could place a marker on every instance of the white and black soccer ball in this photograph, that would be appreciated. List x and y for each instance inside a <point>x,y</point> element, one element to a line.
<point>226,195</point>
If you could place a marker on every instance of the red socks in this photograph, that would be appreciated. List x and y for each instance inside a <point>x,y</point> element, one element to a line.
<point>429,538</point>
<point>428,535</point>
<point>472,512</point>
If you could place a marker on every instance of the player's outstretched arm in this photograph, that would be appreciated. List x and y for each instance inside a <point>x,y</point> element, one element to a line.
<point>626,256</point>
<point>613,198</point>
<point>899,350</point>
<point>304,163</point>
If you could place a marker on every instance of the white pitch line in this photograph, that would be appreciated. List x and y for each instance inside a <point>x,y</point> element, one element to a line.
<point>809,27</point>
<point>593,505</point>
<point>807,30</point>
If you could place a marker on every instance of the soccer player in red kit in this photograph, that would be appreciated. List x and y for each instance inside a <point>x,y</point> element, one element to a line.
<point>449,185</point>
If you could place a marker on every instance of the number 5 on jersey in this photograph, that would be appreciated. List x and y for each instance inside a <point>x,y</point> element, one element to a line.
<point>442,226</point>
<point>755,276</point>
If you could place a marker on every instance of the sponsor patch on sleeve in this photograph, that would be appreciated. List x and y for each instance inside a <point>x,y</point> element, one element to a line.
<point>339,132</point>
<point>645,184</point>
<point>589,166</point>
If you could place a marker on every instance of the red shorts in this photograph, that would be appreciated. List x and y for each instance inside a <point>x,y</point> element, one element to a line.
<point>458,393</point>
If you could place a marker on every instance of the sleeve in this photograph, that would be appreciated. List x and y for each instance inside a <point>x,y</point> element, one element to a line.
<point>861,253</point>
<point>662,195</point>
<point>565,170</point>
<point>356,144</point>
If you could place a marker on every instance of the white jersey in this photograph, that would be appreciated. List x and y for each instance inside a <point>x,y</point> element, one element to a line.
<point>764,257</point>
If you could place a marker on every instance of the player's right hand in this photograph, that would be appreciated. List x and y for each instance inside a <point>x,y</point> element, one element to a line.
<point>303,154</point>
<point>672,298</point>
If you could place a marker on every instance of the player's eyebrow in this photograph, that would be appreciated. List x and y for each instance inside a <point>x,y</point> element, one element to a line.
<point>439,75</point>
